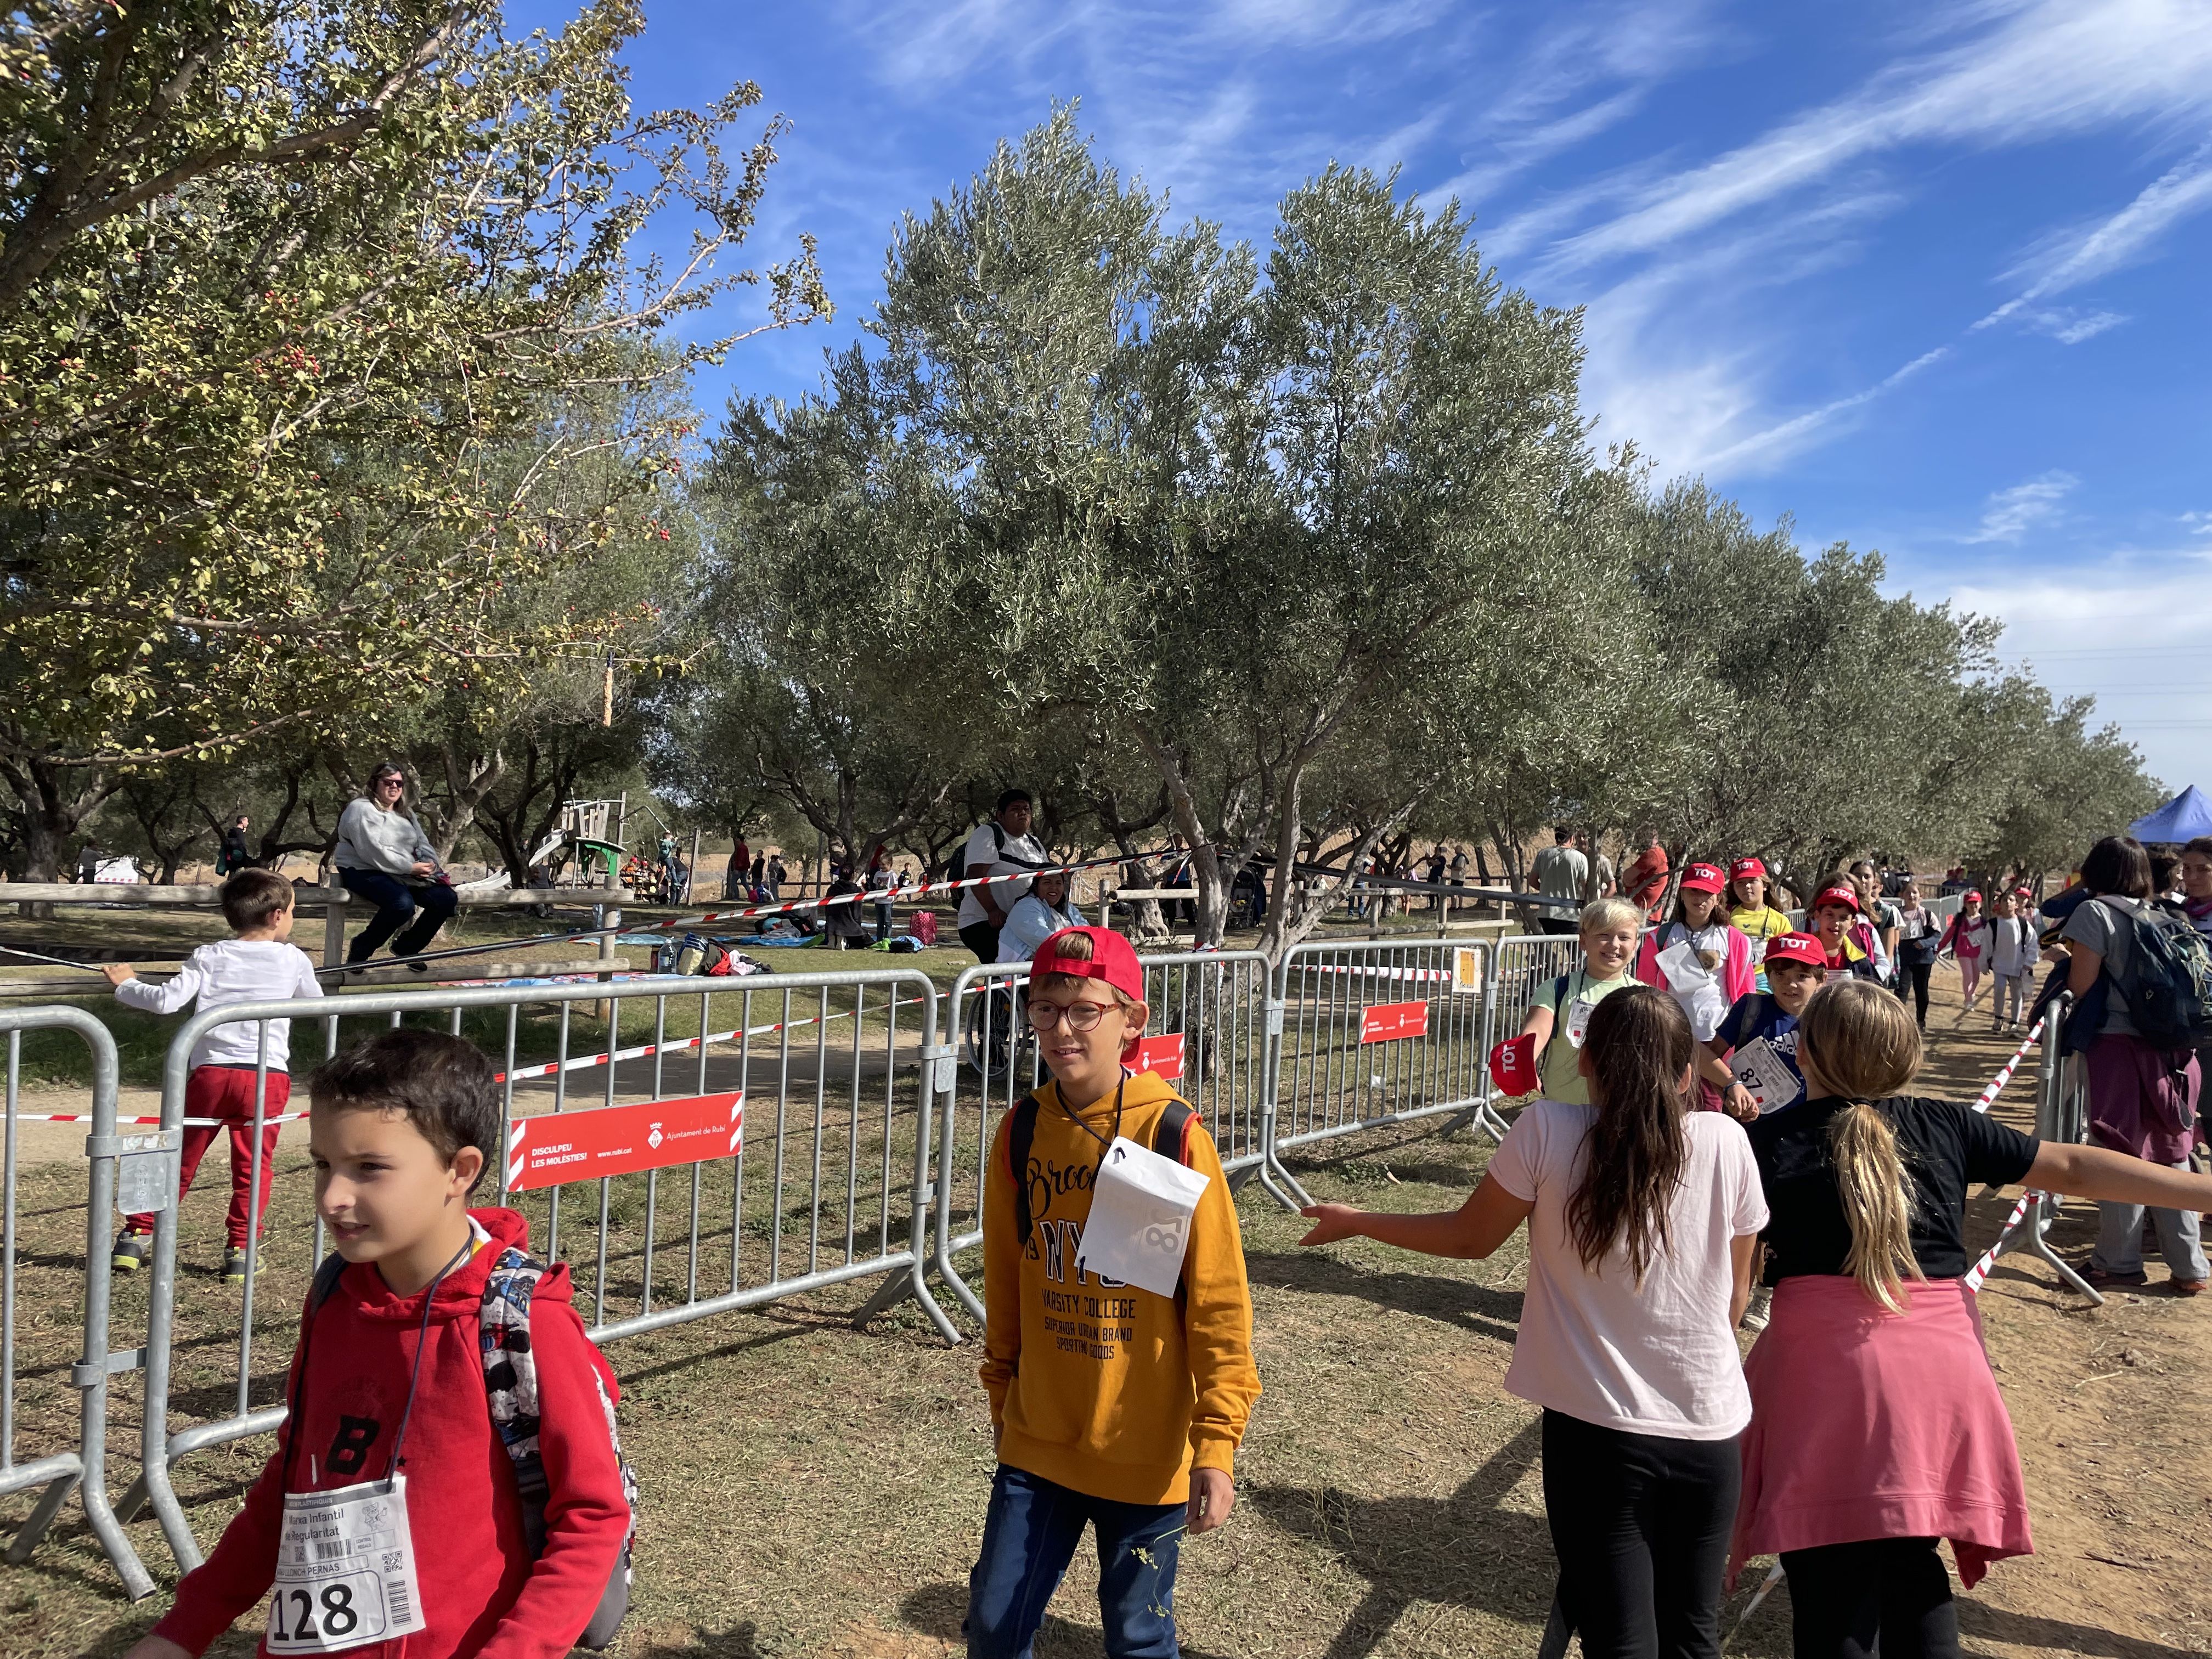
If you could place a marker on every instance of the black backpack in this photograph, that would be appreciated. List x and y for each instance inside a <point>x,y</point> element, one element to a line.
<point>2168,989</point>
<point>1168,1136</point>
<point>504,1324</point>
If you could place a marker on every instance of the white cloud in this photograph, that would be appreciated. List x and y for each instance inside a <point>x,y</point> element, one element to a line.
<point>2128,628</point>
<point>2071,328</point>
<point>2049,70</point>
<point>2200,524</point>
<point>2011,514</point>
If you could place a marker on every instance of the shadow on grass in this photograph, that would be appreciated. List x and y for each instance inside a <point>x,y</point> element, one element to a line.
<point>1478,1309</point>
<point>740,1641</point>
<point>938,1609</point>
<point>1463,1550</point>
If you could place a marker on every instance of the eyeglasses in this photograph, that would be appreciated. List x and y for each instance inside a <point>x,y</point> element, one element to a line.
<point>392,783</point>
<point>1080,1016</point>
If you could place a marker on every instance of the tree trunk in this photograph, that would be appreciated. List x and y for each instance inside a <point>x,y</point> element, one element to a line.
<point>52,803</point>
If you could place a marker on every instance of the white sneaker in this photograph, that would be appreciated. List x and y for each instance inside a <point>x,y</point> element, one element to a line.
<point>1755,1314</point>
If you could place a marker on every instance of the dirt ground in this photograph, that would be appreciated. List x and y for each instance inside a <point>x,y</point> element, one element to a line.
<point>812,1490</point>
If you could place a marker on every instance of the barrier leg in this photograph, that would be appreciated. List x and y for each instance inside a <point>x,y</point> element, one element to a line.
<point>42,1516</point>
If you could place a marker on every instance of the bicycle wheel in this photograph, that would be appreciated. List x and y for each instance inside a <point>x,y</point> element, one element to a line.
<point>987,1035</point>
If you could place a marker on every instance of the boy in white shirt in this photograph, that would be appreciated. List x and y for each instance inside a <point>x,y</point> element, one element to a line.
<point>2012,954</point>
<point>258,964</point>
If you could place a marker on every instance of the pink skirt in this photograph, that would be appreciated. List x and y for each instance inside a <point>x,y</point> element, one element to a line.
<point>1867,1423</point>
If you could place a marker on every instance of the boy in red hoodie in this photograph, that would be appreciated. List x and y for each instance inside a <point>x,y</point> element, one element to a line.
<point>390,1379</point>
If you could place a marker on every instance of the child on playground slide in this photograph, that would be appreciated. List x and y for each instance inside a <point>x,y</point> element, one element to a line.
<point>440,1373</point>
<point>1113,1405</point>
<point>256,963</point>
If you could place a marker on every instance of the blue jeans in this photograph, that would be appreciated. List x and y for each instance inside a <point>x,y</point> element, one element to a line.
<point>395,901</point>
<point>1030,1536</point>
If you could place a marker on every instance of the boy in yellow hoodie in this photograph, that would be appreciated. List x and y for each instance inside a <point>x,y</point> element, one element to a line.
<point>1113,1405</point>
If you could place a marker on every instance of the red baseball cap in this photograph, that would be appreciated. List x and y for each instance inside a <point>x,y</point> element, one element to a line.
<point>1797,947</point>
<point>1112,959</point>
<point>1973,896</point>
<point>1703,878</point>
<point>2021,892</point>
<point>1843,895</point>
<point>1743,869</point>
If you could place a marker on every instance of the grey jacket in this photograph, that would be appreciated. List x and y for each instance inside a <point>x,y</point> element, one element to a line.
<point>370,838</point>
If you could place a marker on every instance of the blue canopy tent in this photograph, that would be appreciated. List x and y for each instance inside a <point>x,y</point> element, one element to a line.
<point>2187,816</point>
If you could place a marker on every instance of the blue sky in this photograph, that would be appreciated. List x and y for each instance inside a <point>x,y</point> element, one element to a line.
<point>1932,278</point>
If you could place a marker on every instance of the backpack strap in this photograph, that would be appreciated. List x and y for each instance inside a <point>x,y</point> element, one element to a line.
<point>328,1272</point>
<point>1172,1132</point>
<point>1021,1135</point>
<point>510,1376</point>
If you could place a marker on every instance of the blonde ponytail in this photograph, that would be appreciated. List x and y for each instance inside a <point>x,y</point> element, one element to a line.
<point>1861,1040</point>
<point>1877,1203</point>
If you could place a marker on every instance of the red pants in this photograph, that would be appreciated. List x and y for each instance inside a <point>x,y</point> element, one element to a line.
<point>227,1092</point>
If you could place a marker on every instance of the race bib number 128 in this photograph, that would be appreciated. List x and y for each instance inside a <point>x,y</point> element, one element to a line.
<point>345,1569</point>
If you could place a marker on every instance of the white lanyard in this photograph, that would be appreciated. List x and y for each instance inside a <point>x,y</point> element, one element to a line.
<point>345,1559</point>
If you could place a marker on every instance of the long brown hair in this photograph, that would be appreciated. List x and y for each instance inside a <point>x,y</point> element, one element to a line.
<point>1862,1039</point>
<point>1640,1047</point>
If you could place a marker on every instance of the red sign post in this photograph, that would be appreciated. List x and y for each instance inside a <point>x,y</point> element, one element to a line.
<point>609,1140</point>
<point>1385,1022</point>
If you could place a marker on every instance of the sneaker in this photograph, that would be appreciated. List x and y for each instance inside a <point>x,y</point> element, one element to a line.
<point>234,1267</point>
<point>416,965</point>
<point>1756,1312</point>
<point>2185,1287</point>
<point>132,1251</point>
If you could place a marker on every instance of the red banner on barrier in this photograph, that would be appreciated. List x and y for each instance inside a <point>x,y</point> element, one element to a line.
<point>1385,1022</point>
<point>611,1140</point>
<point>1162,1054</point>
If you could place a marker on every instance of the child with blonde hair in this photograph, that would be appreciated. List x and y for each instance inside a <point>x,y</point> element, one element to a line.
<point>1877,1428</point>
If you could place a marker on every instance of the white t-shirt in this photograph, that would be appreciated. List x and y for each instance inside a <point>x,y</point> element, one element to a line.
<point>1022,853</point>
<point>1661,1359</point>
<point>233,971</point>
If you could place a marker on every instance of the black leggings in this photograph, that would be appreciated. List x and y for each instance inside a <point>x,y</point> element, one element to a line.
<point>1641,1525</point>
<point>1847,1599</point>
<point>1915,974</point>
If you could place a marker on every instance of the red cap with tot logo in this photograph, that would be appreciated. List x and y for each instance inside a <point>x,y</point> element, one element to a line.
<point>1801,948</point>
<point>1744,869</point>
<point>1703,879</point>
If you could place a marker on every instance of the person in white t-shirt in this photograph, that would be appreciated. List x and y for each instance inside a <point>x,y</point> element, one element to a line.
<point>1642,1218</point>
<point>1001,846</point>
<point>259,964</point>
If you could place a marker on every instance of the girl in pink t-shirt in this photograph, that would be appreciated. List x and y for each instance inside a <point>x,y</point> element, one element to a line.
<point>1642,1217</point>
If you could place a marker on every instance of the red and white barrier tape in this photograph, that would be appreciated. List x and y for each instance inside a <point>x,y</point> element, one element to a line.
<point>1980,1271</point>
<point>583,1062</point>
<point>1996,1084</point>
<point>882,895</point>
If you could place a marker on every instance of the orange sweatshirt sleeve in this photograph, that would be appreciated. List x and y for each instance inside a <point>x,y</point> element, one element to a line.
<point>1002,1278</point>
<point>1217,1318</point>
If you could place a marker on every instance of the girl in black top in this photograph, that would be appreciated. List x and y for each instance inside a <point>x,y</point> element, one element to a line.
<point>1877,1428</point>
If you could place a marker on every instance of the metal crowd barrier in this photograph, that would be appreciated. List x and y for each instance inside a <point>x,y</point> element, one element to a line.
<point>1208,1030</point>
<point>1379,1032</point>
<point>82,1468</point>
<point>831,1183</point>
<point>2061,1115</point>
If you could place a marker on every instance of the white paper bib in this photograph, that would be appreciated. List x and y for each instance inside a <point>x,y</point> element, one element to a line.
<point>1139,1224</point>
<point>1695,989</point>
<point>1765,1075</point>
<point>345,1569</point>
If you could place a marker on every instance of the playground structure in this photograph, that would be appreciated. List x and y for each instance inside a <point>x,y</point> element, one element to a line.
<point>580,852</point>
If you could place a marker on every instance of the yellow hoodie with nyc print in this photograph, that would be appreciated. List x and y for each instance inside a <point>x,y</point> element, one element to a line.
<point>1107,1388</point>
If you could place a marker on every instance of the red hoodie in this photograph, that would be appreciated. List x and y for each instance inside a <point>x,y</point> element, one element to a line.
<point>482,1594</point>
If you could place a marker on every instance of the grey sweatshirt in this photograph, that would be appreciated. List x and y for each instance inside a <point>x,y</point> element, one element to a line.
<point>370,838</point>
